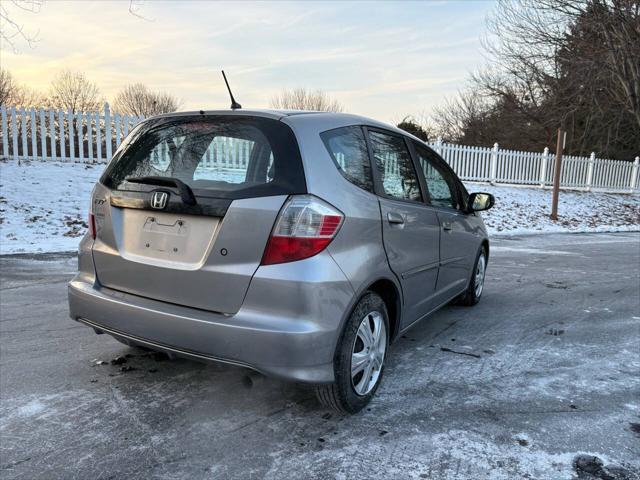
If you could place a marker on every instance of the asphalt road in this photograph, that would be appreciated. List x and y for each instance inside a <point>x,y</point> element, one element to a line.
<point>547,369</point>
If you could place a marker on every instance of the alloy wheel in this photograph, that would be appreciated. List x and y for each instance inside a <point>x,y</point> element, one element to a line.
<point>368,351</point>
<point>479,279</point>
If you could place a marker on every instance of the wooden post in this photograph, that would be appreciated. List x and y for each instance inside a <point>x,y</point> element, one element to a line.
<point>556,175</point>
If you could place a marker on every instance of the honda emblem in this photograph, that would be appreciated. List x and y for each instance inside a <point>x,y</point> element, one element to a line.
<point>159,200</point>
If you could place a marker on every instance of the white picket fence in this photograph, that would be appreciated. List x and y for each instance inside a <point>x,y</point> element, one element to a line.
<point>495,165</point>
<point>40,134</point>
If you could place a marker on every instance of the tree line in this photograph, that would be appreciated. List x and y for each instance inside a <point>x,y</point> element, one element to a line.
<point>573,64</point>
<point>74,91</point>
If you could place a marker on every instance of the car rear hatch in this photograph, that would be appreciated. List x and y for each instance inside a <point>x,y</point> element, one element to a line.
<point>185,208</point>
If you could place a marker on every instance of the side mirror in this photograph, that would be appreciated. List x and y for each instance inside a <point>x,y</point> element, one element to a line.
<point>480,201</point>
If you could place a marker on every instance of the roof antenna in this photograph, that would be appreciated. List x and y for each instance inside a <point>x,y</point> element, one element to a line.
<point>234,105</point>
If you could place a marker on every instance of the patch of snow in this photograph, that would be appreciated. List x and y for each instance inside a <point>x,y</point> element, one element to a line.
<point>44,205</point>
<point>31,409</point>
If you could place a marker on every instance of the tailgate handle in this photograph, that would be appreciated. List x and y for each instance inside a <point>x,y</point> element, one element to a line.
<point>396,218</point>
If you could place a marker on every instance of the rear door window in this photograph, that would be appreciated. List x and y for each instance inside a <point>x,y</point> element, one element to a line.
<point>217,156</point>
<point>395,167</point>
<point>348,149</point>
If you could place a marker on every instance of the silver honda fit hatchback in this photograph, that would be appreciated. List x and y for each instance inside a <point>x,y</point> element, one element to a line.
<point>298,244</point>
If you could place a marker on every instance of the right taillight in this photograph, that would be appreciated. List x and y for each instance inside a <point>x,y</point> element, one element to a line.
<point>305,226</point>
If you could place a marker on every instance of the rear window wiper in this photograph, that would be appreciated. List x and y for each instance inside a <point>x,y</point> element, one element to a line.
<point>186,194</point>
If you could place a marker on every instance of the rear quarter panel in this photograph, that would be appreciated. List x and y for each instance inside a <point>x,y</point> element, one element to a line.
<point>358,248</point>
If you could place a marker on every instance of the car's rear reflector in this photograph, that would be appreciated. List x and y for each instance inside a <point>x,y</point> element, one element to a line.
<point>92,225</point>
<point>305,226</point>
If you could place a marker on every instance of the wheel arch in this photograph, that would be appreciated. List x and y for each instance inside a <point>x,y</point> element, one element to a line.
<point>391,296</point>
<point>485,244</point>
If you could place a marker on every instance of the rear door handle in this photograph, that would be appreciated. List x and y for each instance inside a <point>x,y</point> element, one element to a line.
<point>446,226</point>
<point>396,218</point>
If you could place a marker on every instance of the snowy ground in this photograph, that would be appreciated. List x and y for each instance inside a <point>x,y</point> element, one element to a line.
<point>525,210</point>
<point>43,208</point>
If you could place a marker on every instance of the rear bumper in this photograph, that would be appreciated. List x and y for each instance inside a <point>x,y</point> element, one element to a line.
<point>288,326</point>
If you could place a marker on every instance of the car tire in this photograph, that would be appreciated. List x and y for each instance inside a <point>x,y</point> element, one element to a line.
<point>350,393</point>
<point>475,289</point>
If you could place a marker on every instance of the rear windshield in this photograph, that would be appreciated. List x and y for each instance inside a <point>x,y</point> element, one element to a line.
<point>217,156</point>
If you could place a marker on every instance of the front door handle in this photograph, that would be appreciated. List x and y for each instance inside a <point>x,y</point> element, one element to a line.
<point>395,218</point>
<point>446,226</point>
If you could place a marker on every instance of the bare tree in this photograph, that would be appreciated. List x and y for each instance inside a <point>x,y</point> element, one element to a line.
<point>618,24</point>
<point>73,91</point>
<point>570,63</point>
<point>533,39</point>
<point>12,94</point>
<point>27,97</point>
<point>10,30</point>
<point>137,99</point>
<point>8,87</point>
<point>304,99</point>
<point>458,118</point>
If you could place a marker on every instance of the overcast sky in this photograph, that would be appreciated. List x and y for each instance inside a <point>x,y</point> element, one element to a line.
<point>384,60</point>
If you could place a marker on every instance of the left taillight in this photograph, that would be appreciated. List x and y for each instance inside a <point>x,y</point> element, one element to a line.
<point>306,225</point>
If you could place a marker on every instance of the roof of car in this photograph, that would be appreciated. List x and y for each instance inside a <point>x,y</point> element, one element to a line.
<point>293,116</point>
<point>258,112</point>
